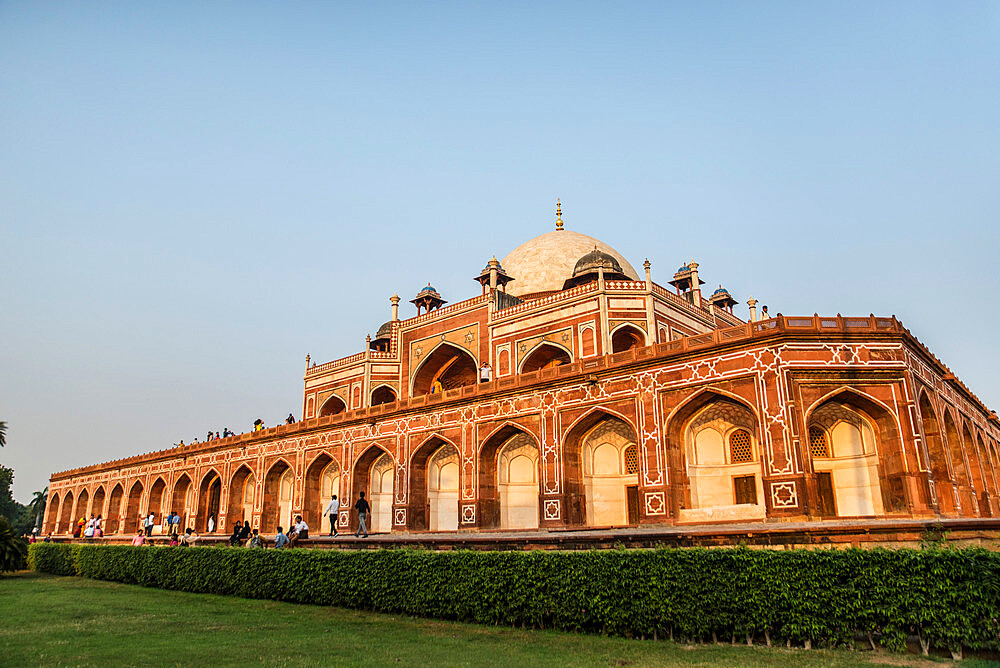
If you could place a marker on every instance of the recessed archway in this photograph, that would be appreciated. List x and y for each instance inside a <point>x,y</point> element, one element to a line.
<point>332,406</point>
<point>209,501</point>
<point>133,507</point>
<point>601,463</point>
<point>179,501</point>
<point>383,394</point>
<point>82,499</point>
<point>113,520</point>
<point>374,474</point>
<point>442,488</point>
<point>98,504</point>
<point>278,488</point>
<point>938,458</point>
<point>509,497</point>
<point>627,337</point>
<point>445,368</point>
<point>420,507</point>
<point>239,507</point>
<point>322,480</point>
<point>545,356</point>
<point>66,521</point>
<point>52,513</point>
<point>156,503</point>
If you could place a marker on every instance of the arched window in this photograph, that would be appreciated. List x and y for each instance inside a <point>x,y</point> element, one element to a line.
<point>817,443</point>
<point>740,448</point>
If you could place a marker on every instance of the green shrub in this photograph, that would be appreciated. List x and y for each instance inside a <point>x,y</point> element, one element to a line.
<point>13,549</point>
<point>950,598</point>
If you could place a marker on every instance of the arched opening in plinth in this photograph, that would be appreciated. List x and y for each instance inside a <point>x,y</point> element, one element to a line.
<point>627,337</point>
<point>442,488</point>
<point>112,523</point>
<point>374,474</point>
<point>602,479</point>
<point>721,459</point>
<point>545,356</point>
<point>279,483</point>
<point>66,520</point>
<point>209,500</point>
<point>844,450</point>
<point>382,483</point>
<point>133,520</point>
<point>180,502</point>
<point>52,513</point>
<point>82,502</point>
<point>97,505</point>
<point>446,368</point>
<point>239,506</point>
<point>956,452</point>
<point>332,406</point>
<point>981,472</point>
<point>156,504</point>
<point>422,515</point>
<point>383,394</point>
<point>509,491</point>
<point>322,481</point>
<point>938,458</point>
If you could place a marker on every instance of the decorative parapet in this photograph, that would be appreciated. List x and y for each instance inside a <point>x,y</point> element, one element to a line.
<point>773,328</point>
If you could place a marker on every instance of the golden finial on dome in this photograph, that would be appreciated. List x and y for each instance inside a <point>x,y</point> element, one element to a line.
<point>559,223</point>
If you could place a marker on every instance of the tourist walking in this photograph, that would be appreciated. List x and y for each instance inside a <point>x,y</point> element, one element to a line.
<point>280,540</point>
<point>149,524</point>
<point>363,511</point>
<point>175,523</point>
<point>333,510</point>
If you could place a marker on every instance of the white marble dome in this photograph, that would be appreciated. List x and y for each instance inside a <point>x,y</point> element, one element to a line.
<point>544,263</point>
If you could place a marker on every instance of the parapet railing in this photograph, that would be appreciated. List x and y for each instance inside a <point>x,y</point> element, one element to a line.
<point>762,329</point>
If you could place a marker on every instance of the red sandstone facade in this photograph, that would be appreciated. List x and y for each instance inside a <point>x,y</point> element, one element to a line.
<point>611,401</point>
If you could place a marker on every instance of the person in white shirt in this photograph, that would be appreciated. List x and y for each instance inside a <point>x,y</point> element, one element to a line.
<point>333,509</point>
<point>89,531</point>
<point>299,532</point>
<point>484,373</point>
<point>211,524</point>
<point>149,524</point>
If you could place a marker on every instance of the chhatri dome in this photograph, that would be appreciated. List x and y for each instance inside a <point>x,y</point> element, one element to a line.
<point>546,262</point>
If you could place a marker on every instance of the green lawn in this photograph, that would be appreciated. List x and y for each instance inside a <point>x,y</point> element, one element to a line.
<point>49,620</point>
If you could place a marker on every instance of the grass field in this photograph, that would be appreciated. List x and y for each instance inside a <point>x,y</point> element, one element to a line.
<point>49,620</point>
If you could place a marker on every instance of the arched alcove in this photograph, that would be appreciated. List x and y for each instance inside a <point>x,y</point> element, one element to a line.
<point>938,458</point>
<point>383,394</point>
<point>627,337</point>
<point>544,356</point>
<point>132,508</point>
<point>179,502</point>
<point>155,504</point>
<point>240,492</point>
<point>112,524</point>
<point>844,450</point>
<point>445,368</point>
<point>332,406</point>
<point>278,488</point>
<point>442,488</point>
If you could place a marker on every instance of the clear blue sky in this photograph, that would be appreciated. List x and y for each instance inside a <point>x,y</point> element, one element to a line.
<point>195,195</point>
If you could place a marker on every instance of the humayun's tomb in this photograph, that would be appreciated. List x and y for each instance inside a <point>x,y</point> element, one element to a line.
<point>611,401</point>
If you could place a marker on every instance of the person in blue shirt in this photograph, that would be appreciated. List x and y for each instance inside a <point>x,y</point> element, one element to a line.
<point>280,540</point>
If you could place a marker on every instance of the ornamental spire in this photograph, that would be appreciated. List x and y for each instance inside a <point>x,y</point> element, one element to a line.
<point>559,222</point>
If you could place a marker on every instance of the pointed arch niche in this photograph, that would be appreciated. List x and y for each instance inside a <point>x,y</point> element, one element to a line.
<point>723,464</point>
<point>322,481</point>
<point>241,492</point>
<point>844,450</point>
<point>627,337</point>
<point>445,368</point>
<point>332,406</point>
<point>544,356</point>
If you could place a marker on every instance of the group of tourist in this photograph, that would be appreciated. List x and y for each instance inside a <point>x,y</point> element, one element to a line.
<point>258,425</point>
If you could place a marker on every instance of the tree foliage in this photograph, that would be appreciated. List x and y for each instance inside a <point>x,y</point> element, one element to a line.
<point>13,549</point>
<point>949,598</point>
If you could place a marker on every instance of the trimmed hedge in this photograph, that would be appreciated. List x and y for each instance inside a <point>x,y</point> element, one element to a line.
<point>949,598</point>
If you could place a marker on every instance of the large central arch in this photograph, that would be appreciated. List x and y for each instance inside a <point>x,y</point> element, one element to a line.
<point>544,356</point>
<point>447,367</point>
<point>601,483</point>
